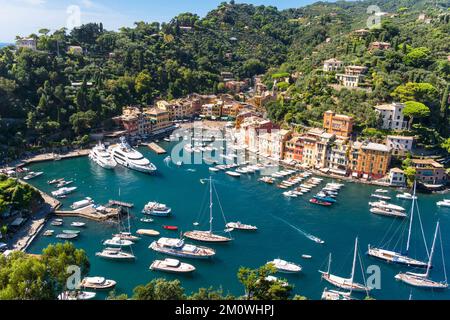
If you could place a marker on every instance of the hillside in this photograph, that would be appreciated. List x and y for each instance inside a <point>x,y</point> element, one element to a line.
<point>40,107</point>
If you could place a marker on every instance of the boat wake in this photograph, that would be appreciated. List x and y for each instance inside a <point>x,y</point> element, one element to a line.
<point>306,234</point>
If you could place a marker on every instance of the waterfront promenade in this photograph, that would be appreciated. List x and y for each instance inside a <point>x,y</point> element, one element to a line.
<point>31,228</point>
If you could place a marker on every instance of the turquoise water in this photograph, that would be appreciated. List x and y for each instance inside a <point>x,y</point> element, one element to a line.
<point>281,223</point>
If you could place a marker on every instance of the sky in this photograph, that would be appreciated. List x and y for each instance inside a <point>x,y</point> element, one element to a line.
<point>23,17</point>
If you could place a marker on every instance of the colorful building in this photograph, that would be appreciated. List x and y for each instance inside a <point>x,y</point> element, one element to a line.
<point>400,145</point>
<point>332,65</point>
<point>391,116</point>
<point>369,160</point>
<point>293,149</point>
<point>430,172</point>
<point>338,124</point>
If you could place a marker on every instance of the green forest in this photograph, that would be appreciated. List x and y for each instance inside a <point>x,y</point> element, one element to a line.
<point>54,97</point>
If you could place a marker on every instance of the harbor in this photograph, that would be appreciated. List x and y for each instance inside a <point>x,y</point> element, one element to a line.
<point>287,227</point>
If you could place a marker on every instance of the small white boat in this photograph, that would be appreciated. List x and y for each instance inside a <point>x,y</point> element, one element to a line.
<point>444,203</point>
<point>388,212</point>
<point>97,283</point>
<point>290,194</point>
<point>335,295</point>
<point>49,233</point>
<point>76,295</point>
<point>56,223</point>
<point>78,224</point>
<point>54,181</point>
<point>381,191</point>
<point>233,174</point>
<point>178,248</point>
<point>63,191</point>
<point>115,254</point>
<point>379,196</point>
<point>157,209</point>
<point>306,256</point>
<point>118,242</point>
<point>285,267</point>
<point>127,236</point>
<point>385,205</point>
<point>32,175</point>
<point>172,266</point>
<point>82,204</point>
<point>67,236</point>
<point>63,183</point>
<point>406,196</point>
<point>240,226</point>
<point>148,232</point>
<point>147,220</point>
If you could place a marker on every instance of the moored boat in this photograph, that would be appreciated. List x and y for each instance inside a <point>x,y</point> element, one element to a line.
<point>148,232</point>
<point>130,158</point>
<point>444,203</point>
<point>97,283</point>
<point>157,209</point>
<point>78,224</point>
<point>178,248</point>
<point>115,254</point>
<point>240,226</point>
<point>63,191</point>
<point>285,266</point>
<point>117,242</point>
<point>233,174</point>
<point>76,295</point>
<point>379,196</point>
<point>172,266</point>
<point>67,236</point>
<point>406,196</point>
<point>82,204</point>
<point>388,212</point>
<point>321,203</point>
<point>171,228</point>
<point>102,157</point>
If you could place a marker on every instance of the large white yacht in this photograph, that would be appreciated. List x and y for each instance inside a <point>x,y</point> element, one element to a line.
<point>130,158</point>
<point>101,156</point>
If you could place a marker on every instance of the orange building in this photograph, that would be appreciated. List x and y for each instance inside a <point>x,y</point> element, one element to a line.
<point>338,124</point>
<point>369,160</point>
<point>293,149</point>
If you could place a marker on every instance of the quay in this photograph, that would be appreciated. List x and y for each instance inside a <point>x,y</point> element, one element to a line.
<point>156,148</point>
<point>91,213</point>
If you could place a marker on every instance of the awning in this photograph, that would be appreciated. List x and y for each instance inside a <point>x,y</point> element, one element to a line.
<point>339,172</point>
<point>325,170</point>
<point>355,174</point>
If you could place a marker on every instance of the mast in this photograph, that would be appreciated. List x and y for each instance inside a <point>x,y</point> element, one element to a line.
<point>411,218</point>
<point>210,205</point>
<point>432,251</point>
<point>354,260</point>
<point>329,264</point>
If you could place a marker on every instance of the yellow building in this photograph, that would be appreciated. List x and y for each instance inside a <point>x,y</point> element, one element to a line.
<point>369,160</point>
<point>159,119</point>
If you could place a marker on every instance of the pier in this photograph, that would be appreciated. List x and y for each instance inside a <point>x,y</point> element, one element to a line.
<point>91,213</point>
<point>156,148</point>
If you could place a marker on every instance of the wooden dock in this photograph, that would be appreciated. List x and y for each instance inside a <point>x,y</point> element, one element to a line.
<point>156,148</point>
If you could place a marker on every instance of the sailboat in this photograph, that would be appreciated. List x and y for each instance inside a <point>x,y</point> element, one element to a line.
<point>208,236</point>
<point>345,283</point>
<point>422,280</point>
<point>127,235</point>
<point>397,257</point>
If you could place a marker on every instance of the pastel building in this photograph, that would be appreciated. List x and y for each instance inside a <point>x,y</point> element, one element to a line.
<point>400,145</point>
<point>430,172</point>
<point>391,116</point>
<point>332,65</point>
<point>369,160</point>
<point>353,76</point>
<point>338,124</point>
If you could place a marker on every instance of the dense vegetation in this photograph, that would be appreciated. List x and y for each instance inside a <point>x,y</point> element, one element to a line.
<point>27,277</point>
<point>255,284</point>
<point>17,196</point>
<point>39,106</point>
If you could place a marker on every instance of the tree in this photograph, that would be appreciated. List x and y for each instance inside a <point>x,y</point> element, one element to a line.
<point>60,256</point>
<point>415,110</point>
<point>210,294</point>
<point>160,289</point>
<point>410,174</point>
<point>143,86</point>
<point>258,287</point>
<point>418,57</point>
